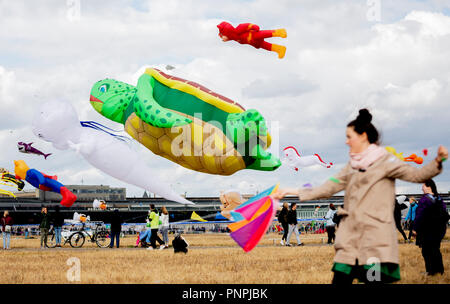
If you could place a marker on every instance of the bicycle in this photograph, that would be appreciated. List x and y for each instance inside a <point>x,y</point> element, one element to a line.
<point>76,239</point>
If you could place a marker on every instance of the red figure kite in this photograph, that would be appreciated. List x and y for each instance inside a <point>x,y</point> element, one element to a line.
<point>249,33</point>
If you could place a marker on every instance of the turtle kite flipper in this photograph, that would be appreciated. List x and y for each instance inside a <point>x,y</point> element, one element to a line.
<point>150,111</point>
<point>264,160</point>
<point>255,128</point>
<point>251,121</point>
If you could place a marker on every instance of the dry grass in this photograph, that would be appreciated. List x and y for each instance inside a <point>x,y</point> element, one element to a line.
<point>212,259</point>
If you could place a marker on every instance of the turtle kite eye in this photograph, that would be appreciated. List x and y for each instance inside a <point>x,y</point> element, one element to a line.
<point>103,88</point>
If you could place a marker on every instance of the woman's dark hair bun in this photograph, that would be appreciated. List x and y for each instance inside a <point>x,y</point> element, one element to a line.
<point>364,116</point>
<point>363,123</point>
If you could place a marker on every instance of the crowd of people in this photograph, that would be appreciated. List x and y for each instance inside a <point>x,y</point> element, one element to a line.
<point>363,229</point>
<point>313,227</point>
<point>156,223</point>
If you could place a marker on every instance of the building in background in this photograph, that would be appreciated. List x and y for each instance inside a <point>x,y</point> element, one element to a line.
<point>24,194</point>
<point>88,193</point>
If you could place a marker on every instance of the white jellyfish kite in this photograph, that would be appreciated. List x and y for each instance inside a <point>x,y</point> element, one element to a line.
<point>58,123</point>
<point>294,160</point>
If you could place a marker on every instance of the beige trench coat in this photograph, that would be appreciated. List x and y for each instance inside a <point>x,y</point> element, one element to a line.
<point>367,231</point>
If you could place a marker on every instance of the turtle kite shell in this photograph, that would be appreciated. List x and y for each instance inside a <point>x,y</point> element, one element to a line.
<point>200,145</point>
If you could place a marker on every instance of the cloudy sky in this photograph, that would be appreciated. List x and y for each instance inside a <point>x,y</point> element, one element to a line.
<point>388,56</point>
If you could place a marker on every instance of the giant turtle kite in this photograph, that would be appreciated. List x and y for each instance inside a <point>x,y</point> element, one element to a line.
<point>187,123</point>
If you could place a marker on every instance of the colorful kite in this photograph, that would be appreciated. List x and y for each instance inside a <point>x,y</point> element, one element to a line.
<point>6,192</point>
<point>28,148</point>
<point>249,33</point>
<point>253,218</point>
<point>99,204</point>
<point>8,178</point>
<point>293,159</point>
<point>412,158</point>
<point>187,123</point>
<point>394,152</point>
<point>43,182</point>
<point>78,217</point>
<point>196,217</point>
<point>58,123</point>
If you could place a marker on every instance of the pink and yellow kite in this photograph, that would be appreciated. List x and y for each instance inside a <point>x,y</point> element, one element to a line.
<point>253,218</point>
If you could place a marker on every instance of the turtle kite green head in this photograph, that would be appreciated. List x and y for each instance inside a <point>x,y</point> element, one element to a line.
<point>111,98</point>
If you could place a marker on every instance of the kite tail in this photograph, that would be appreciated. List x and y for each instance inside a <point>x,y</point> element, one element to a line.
<point>98,126</point>
<point>328,164</point>
<point>47,155</point>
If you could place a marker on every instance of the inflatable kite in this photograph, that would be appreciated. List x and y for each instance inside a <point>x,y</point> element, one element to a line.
<point>58,123</point>
<point>6,192</point>
<point>248,33</point>
<point>412,158</point>
<point>294,160</point>
<point>99,204</point>
<point>78,217</point>
<point>8,178</point>
<point>187,123</point>
<point>43,182</point>
<point>230,200</point>
<point>394,152</point>
<point>253,218</point>
<point>28,148</point>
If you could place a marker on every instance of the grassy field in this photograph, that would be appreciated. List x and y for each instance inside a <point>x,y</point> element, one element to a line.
<point>212,259</point>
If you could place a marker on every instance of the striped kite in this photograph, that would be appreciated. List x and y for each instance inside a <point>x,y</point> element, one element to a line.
<point>253,218</point>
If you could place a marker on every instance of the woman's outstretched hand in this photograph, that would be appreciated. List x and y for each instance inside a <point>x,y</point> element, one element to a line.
<point>442,154</point>
<point>283,192</point>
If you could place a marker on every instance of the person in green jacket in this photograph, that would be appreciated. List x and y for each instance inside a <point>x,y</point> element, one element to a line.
<point>44,227</point>
<point>154,225</point>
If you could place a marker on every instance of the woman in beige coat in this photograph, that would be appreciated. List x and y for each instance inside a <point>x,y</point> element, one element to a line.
<point>366,241</point>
